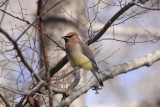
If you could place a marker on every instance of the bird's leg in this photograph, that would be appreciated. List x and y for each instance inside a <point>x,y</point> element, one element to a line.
<point>96,88</point>
<point>76,79</point>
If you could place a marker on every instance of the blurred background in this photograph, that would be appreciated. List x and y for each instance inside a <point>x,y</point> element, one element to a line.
<point>135,33</point>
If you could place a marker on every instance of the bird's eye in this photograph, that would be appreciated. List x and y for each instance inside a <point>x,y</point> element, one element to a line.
<point>69,36</point>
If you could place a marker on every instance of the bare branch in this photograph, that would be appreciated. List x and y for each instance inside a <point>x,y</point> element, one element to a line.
<point>42,36</point>
<point>141,1</point>
<point>36,88</point>
<point>20,55</point>
<point>76,79</point>
<point>146,60</point>
<point>60,90</point>
<point>32,24</point>
<point>4,100</point>
<point>108,24</point>
<point>31,92</point>
<point>155,40</point>
<point>3,3</point>
<point>58,66</point>
<point>6,4</point>
<point>148,8</point>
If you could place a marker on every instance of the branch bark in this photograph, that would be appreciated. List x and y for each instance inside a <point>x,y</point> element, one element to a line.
<point>76,79</point>
<point>146,60</point>
<point>46,62</point>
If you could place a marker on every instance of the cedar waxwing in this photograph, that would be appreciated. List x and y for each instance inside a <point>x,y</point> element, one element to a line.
<point>79,54</point>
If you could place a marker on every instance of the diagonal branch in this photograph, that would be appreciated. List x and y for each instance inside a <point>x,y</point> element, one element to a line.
<point>30,93</point>
<point>4,100</point>
<point>108,24</point>
<point>5,8</point>
<point>20,54</point>
<point>146,60</point>
<point>58,66</point>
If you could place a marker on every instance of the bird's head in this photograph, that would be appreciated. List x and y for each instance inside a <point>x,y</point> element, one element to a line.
<point>71,37</point>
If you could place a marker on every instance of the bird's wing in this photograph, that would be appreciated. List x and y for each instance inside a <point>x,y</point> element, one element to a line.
<point>88,53</point>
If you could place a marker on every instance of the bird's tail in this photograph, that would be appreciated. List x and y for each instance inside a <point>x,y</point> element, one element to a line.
<point>96,74</point>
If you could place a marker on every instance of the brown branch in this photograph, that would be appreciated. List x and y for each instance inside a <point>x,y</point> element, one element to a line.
<point>4,100</point>
<point>42,36</point>
<point>20,55</point>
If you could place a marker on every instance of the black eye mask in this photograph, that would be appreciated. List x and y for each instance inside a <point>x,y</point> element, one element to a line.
<point>66,38</point>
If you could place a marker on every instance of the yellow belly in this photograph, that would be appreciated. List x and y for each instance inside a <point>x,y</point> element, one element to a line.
<point>81,61</point>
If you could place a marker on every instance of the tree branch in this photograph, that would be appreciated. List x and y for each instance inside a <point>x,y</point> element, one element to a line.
<point>46,62</point>
<point>108,24</point>
<point>76,79</point>
<point>31,24</point>
<point>31,92</point>
<point>20,54</point>
<point>58,66</point>
<point>4,100</point>
<point>5,8</point>
<point>146,60</point>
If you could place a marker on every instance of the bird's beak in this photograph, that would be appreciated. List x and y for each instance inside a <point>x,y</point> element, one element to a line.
<point>63,37</point>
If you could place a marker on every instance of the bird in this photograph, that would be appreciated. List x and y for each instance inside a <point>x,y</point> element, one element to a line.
<point>79,54</point>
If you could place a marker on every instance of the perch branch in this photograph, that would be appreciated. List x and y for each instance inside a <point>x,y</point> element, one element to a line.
<point>146,60</point>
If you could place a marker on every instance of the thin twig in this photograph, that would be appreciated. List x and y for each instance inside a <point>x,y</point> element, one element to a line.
<point>32,24</point>
<point>2,17</point>
<point>3,3</point>
<point>4,100</point>
<point>148,8</point>
<point>20,54</point>
<point>30,93</point>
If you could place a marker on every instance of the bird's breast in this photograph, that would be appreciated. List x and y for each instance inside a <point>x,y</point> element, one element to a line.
<point>77,58</point>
